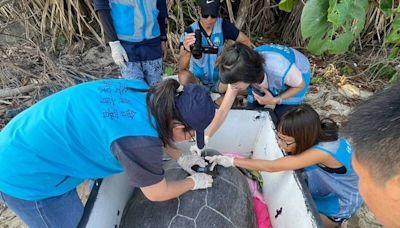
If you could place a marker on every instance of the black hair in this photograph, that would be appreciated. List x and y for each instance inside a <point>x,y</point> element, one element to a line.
<point>374,132</point>
<point>240,63</point>
<point>161,105</point>
<point>304,125</point>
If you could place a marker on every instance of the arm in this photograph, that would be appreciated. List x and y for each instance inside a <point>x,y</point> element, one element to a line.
<point>106,22</point>
<point>184,58</point>
<point>305,159</point>
<point>165,190</point>
<point>232,33</point>
<point>162,23</point>
<point>102,7</point>
<point>187,39</point>
<point>242,38</point>
<point>294,80</point>
<point>223,110</point>
<point>161,18</point>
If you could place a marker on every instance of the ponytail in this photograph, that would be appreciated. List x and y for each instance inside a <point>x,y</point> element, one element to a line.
<point>239,63</point>
<point>329,130</point>
<point>161,105</point>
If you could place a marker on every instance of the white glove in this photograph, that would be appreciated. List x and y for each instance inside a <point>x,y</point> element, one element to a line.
<point>187,161</point>
<point>225,161</point>
<point>201,181</point>
<point>195,150</point>
<point>118,53</point>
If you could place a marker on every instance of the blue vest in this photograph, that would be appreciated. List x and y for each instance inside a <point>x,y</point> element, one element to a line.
<point>135,20</point>
<point>65,138</point>
<point>335,195</point>
<point>278,61</point>
<point>204,68</point>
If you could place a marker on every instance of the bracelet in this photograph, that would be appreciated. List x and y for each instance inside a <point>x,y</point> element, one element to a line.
<point>279,100</point>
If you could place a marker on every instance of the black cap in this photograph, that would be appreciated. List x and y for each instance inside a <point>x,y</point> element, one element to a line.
<point>209,7</point>
<point>197,109</point>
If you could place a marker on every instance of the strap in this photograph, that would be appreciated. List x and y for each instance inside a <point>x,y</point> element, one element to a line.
<point>208,37</point>
<point>138,90</point>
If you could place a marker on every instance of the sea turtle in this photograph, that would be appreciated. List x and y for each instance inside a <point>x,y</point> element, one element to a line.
<point>227,204</point>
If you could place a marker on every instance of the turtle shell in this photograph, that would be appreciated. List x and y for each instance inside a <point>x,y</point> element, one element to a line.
<point>228,203</point>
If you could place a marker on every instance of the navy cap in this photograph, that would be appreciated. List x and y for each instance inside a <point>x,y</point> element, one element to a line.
<point>197,109</point>
<point>209,7</point>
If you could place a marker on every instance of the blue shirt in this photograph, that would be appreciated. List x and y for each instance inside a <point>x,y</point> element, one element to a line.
<point>51,147</point>
<point>335,195</point>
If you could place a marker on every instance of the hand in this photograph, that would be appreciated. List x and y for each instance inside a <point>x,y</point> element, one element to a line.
<point>118,53</point>
<point>225,161</point>
<point>164,49</point>
<point>201,181</point>
<point>267,99</point>
<point>188,41</point>
<point>187,161</point>
<point>197,151</point>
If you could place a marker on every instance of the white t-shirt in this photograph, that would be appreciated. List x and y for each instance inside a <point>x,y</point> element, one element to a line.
<point>293,78</point>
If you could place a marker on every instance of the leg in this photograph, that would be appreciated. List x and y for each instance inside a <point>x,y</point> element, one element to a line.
<point>186,77</point>
<point>132,71</point>
<point>153,71</point>
<point>61,211</point>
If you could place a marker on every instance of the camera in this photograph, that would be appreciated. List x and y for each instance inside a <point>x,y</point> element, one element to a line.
<point>197,48</point>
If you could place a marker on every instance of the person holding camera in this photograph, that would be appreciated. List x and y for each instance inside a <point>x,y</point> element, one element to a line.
<point>136,31</point>
<point>202,43</point>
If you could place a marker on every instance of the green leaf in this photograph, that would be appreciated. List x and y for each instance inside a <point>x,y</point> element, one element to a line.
<point>395,78</point>
<point>313,18</point>
<point>318,44</point>
<point>331,26</point>
<point>394,53</point>
<point>341,43</point>
<point>168,71</point>
<point>338,11</point>
<point>394,35</point>
<point>316,80</point>
<point>386,7</point>
<point>357,13</point>
<point>286,5</point>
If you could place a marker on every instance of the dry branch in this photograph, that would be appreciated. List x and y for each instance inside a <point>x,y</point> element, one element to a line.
<point>5,93</point>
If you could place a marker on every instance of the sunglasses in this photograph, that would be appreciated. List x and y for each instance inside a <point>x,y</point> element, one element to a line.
<point>205,16</point>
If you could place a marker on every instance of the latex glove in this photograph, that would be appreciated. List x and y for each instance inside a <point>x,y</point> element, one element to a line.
<point>201,181</point>
<point>225,161</point>
<point>118,53</point>
<point>197,151</point>
<point>187,161</point>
